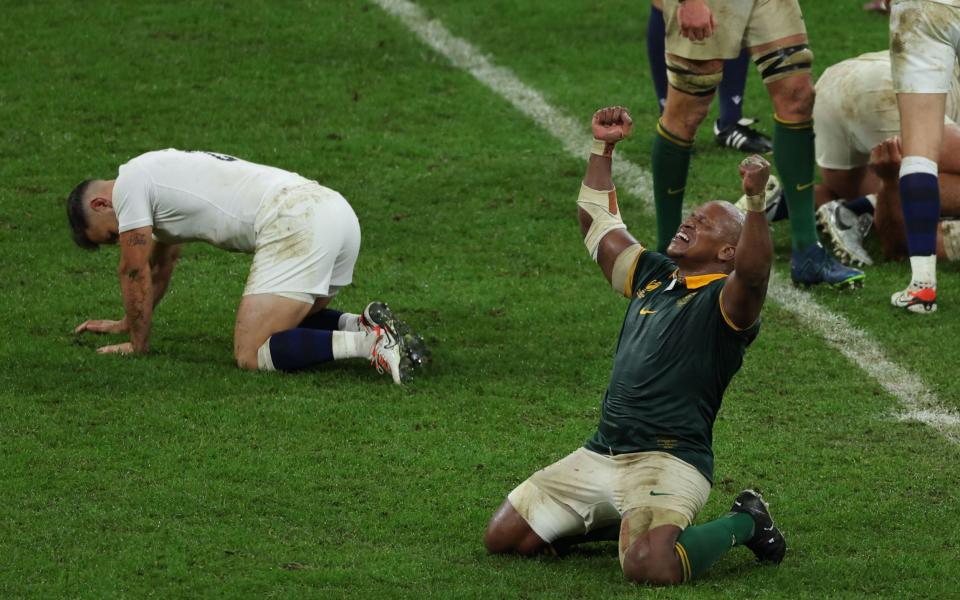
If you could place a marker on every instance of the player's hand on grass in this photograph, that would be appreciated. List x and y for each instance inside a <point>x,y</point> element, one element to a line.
<point>611,124</point>
<point>125,348</point>
<point>696,20</point>
<point>885,158</point>
<point>103,326</point>
<point>754,171</point>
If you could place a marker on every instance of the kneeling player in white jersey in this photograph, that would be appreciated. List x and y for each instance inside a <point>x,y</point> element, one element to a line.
<point>304,237</point>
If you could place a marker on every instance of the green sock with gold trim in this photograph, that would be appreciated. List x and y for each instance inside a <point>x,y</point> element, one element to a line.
<point>670,162</point>
<point>794,156</point>
<point>700,546</point>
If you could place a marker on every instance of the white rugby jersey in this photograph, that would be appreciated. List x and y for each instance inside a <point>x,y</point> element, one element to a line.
<point>196,196</point>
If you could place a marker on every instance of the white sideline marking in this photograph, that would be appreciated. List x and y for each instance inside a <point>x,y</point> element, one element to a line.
<point>918,402</point>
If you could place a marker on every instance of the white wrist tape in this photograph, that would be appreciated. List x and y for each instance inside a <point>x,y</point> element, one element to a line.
<point>599,147</point>
<point>602,208</point>
<point>757,202</point>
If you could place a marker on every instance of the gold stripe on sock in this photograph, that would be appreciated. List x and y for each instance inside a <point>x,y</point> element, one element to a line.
<point>664,133</point>
<point>805,124</point>
<point>684,561</point>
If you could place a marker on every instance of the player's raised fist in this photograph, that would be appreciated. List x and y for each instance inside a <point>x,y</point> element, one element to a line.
<point>611,124</point>
<point>754,171</point>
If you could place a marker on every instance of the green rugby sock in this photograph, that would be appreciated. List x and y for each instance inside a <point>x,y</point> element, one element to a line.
<point>794,156</point>
<point>700,546</point>
<point>671,161</point>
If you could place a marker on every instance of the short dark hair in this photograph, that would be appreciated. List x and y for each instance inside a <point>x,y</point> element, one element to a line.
<point>77,216</point>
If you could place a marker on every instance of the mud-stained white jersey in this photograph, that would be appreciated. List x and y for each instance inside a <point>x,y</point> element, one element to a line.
<point>196,196</point>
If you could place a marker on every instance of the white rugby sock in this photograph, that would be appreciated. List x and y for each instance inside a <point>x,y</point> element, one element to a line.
<point>350,344</point>
<point>924,270</point>
<point>349,322</point>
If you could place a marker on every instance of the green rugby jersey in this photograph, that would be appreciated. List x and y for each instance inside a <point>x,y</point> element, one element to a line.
<point>675,356</point>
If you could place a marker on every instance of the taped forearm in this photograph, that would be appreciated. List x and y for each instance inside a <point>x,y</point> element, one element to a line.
<point>604,212</point>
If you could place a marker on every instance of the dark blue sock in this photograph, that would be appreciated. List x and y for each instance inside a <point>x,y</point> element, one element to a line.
<point>656,47</point>
<point>859,206</point>
<point>920,197</point>
<point>327,318</point>
<point>299,348</point>
<point>732,88</point>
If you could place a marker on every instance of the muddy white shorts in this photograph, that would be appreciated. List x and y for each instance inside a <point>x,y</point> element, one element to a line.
<point>307,242</point>
<point>740,24</point>
<point>924,45</point>
<point>587,490</point>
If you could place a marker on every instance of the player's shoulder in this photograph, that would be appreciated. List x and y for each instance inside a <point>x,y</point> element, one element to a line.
<point>651,265</point>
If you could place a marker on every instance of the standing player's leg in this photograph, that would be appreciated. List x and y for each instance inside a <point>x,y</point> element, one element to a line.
<point>924,45</point>
<point>921,126</point>
<point>656,32</point>
<point>785,65</point>
<point>692,85</point>
<point>731,130</point>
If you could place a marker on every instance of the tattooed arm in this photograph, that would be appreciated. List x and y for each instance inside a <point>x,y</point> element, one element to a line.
<point>136,283</point>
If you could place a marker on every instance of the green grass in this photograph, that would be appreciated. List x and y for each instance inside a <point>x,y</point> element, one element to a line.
<point>177,475</point>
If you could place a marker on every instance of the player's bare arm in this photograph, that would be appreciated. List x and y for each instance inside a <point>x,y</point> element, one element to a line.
<point>136,283</point>
<point>163,260</point>
<point>746,288</point>
<point>604,233</point>
<point>696,20</point>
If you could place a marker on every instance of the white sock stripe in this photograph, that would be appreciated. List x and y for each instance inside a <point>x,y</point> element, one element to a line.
<point>917,401</point>
<point>917,164</point>
<point>264,358</point>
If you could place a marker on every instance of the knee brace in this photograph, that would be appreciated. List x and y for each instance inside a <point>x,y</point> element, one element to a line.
<point>783,62</point>
<point>696,84</point>
<point>602,208</point>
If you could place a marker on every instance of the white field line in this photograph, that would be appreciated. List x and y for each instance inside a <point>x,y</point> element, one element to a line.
<point>917,401</point>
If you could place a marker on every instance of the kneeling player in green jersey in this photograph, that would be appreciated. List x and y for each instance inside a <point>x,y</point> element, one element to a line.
<point>646,473</point>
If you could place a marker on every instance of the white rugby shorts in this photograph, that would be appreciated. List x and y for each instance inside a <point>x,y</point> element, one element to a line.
<point>587,490</point>
<point>307,242</point>
<point>924,45</point>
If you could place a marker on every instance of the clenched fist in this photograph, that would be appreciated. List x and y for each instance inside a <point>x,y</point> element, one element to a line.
<point>611,124</point>
<point>754,171</point>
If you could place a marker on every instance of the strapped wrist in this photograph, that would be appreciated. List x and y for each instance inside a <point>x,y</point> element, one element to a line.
<point>757,202</point>
<point>601,148</point>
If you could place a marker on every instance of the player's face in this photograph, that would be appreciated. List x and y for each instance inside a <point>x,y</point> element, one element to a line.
<point>702,235</point>
<point>102,230</point>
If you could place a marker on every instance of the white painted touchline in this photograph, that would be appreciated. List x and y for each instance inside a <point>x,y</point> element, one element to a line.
<point>918,402</point>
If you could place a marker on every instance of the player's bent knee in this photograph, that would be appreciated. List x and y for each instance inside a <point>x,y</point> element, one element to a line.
<point>651,569</point>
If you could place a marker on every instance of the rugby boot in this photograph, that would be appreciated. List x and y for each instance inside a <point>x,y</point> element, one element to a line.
<point>813,266</point>
<point>389,356</point>
<point>916,298</point>
<point>378,314</point>
<point>776,205</point>
<point>846,231</point>
<point>767,543</point>
<point>740,136</point>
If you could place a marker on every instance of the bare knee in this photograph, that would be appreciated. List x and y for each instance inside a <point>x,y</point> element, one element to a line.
<point>246,358</point>
<point>793,98</point>
<point>509,533</point>
<point>652,562</point>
